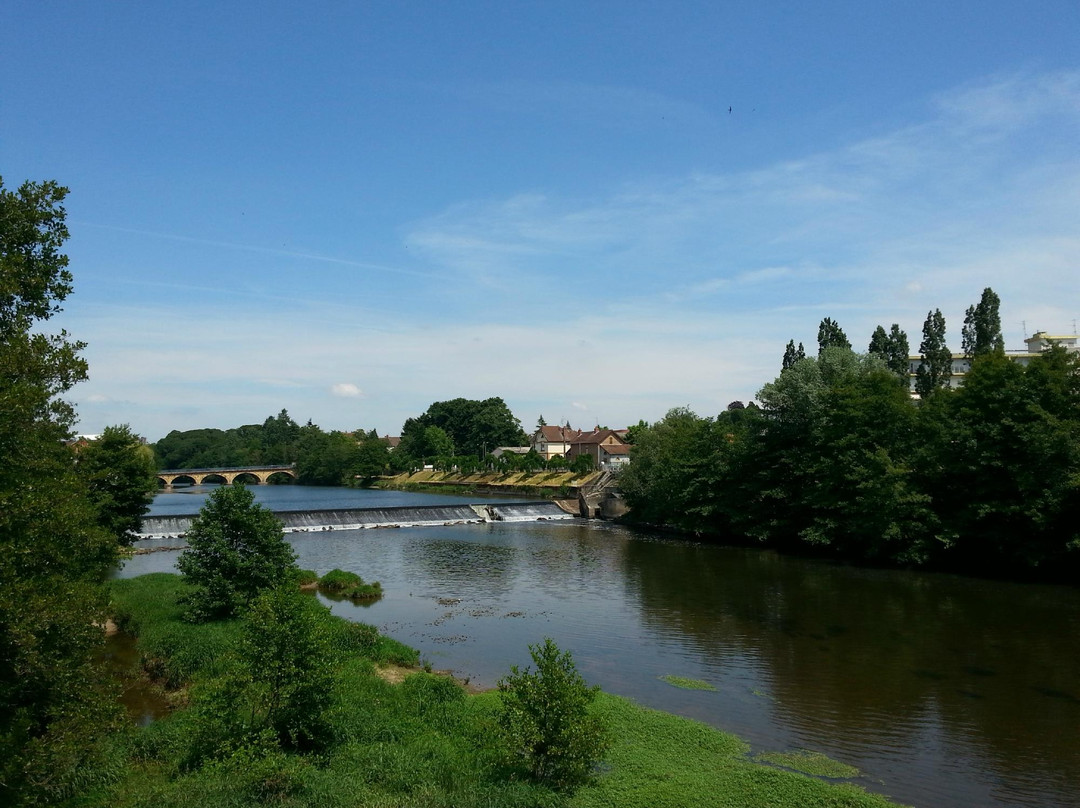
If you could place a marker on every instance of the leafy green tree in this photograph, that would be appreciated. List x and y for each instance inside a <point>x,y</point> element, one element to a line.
<point>373,456</point>
<point>982,327</point>
<point>657,484</point>
<point>286,655</point>
<point>582,464</point>
<point>474,427</point>
<point>236,550</point>
<point>54,707</point>
<point>203,448</point>
<point>119,471</point>
<point>1006,465</point>
<point>935,370</point>
<point>635,431</point>
<point>545,720</point>
<point>279,439</point>
<point>831,335</point>
<point>438,443</point>
<point>326,458</point>
<point>531,461</point>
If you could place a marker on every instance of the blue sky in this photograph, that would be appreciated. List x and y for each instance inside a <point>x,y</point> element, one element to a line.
<point>351,210</point>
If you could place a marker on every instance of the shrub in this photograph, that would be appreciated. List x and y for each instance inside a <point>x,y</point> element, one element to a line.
<point>349,585</point>
<point>307,578</point>
<point>545,720</point>
<point>236,550</point>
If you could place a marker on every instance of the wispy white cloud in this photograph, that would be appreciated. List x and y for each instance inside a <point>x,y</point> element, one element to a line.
<point>255,248</point>
<point>925,215</point>
<point>346,390</point>
<point>660,293</point>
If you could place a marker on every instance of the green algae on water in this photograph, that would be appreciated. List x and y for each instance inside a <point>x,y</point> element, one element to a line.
<point>809,762</point>
<point>686,684</point>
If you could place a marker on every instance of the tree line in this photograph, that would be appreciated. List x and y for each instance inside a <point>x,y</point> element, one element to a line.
<point>839,460</point>
<point>455,435</point>
<point>321,458</point>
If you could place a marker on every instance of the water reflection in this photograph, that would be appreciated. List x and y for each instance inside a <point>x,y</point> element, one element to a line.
<point>945,691</point>
<point>869,663</point>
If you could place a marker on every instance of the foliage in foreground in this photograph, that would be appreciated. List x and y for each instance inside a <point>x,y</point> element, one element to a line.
<point>421,743</point>
<point>545,720</point>
<point>54,705</point>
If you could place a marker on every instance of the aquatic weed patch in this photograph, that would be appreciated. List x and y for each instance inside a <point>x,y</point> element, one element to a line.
<point>658,760</point>
<point>686,684</point>
<point>809,762</point>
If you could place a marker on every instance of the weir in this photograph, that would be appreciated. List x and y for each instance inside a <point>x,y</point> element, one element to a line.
<point>175,526</point>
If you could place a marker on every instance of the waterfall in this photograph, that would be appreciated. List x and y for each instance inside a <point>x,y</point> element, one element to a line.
<point>528,512</point>
<point>169,527</point>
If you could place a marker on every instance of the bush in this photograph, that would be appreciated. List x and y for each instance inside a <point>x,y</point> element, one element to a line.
<point>236,550</point>
<point>307,578</point>
<point>349,585</point>
<point>545,720</point>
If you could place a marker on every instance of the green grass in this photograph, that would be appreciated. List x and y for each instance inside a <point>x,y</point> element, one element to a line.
<point>686,684</point>
<point>809,762</point>
<point>420,743</point>
<point>349,585</point>
<point>665,761</point>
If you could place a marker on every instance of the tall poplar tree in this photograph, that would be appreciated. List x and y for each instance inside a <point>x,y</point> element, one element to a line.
<point>892,347</point>
<point>792,354</point>
<point>831,335</point>
<point>935,370</point>
<point>982,327</point>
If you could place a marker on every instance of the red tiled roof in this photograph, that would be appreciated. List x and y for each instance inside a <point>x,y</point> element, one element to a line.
<point>558,434</point>
<point>597,436</point>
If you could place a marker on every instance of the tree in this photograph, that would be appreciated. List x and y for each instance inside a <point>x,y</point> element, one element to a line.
<point>935,370</point>
<point>236,550</point>
<point>119,471</point>
<point>898,353</point>
<point>279,439</point>
<point>792,354</point>
<point>373,457</point>
<point>635,431</point>
<point>982,327</point>
<point>53,555</point>
<point>545,720</point>
<point>474,427</point>
<point>438,443</point>
<point>582,464</point>
<point>831,335</point>
<point>326,458</point>
<point>893,349</point>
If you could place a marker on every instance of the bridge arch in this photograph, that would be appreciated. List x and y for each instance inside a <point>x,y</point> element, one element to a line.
<point>261,474</point>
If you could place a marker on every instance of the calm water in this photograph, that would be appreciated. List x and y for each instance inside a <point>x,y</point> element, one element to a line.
<point>943,691</point>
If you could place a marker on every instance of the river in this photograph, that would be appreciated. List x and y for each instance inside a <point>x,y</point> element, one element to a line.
<point>943,691</point>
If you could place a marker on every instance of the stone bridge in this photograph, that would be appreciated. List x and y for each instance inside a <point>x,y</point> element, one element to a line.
<point>262,474</point>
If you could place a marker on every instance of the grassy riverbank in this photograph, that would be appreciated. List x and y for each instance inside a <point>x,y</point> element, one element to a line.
<point>540,483</point>
<point>413,741</point>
